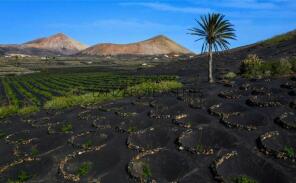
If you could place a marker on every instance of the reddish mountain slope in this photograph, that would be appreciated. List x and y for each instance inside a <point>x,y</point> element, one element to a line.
<point>58,43</point>
<point>155,46</point>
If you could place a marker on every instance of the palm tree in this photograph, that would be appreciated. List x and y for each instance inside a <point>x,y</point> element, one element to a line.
<point>214,30</point>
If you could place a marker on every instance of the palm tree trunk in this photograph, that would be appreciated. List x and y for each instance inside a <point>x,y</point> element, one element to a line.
<point>211,80</point>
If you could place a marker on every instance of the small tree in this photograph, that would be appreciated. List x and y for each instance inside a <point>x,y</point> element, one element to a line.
<point>214,30</point>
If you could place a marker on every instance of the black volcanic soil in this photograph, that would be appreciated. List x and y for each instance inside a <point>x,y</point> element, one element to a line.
<point>175,136</point>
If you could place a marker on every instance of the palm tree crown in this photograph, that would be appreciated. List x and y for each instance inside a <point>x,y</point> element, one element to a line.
<point>215,31</point>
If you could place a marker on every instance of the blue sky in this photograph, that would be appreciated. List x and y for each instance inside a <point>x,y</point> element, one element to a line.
<point>95,21</point>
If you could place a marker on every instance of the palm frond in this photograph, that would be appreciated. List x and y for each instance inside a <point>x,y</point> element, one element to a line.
<point>214,30</point>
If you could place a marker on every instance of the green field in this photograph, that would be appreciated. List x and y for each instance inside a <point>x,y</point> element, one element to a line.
<point>32,92</point>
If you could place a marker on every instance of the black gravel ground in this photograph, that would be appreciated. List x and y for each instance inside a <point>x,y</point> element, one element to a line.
<point>206,133</point>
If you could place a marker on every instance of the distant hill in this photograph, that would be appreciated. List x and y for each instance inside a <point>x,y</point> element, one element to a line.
<point>283,45</point>
<point>158,45</point>
<point>58,44</point>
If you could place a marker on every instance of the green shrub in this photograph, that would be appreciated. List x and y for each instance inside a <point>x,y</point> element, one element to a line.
<point>66,128</point>
<point>34,151</point>
<point>252,66</point>
<point>243,179</point>
<point>282,67</point>
<point>87,144</point>
<point>146,171</point>
<point>83,169</point>
<point>289,151</point>
<point>293,64</point>
<point>230,76</point>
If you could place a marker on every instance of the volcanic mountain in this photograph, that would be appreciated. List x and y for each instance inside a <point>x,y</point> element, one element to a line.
<point>158,45</point>
<point>58,44</point>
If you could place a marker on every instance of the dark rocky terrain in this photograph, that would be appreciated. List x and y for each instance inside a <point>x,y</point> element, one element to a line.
<point>180,135</point>
<point>185,132</point>
<point>17,49</point>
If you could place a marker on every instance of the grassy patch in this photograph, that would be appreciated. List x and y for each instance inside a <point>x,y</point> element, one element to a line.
<point>34,151</point>
<point>85,99</point>
<point>28,110</point>
<point>289,151</point>
<point>83,169</point>
<point>66,128</point>
<point>87,144</point>
<point>146,171</point>
<point>12,110</point>
<point>22,177</point>
<point>244,179</point>
<point>8,110</point>
<point>94,98</point>
<point>150,87</point>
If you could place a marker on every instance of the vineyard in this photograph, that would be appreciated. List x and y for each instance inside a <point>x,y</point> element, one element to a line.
<point>27,91</point>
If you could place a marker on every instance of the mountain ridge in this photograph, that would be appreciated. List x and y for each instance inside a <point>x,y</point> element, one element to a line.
<point>158,45</point>
<point>58,42</point>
